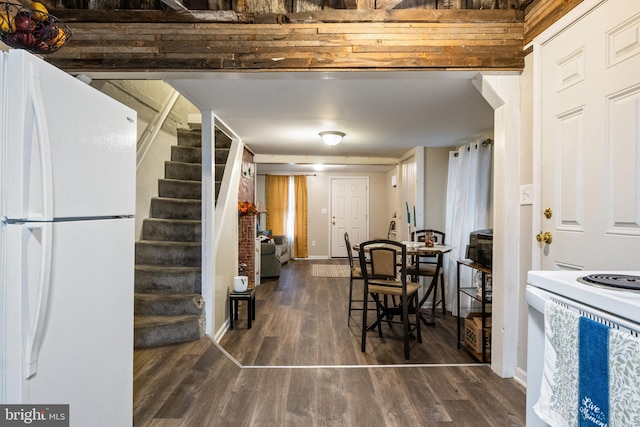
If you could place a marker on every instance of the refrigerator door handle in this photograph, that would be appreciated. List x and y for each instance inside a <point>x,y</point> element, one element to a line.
<point>35,301</point>
<point>44,145</point>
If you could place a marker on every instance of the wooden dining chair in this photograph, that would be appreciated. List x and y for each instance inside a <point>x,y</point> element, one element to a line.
<point>426,265</point>
<point>383,264</point>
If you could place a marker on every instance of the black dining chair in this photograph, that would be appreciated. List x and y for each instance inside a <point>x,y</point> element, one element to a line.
<point>391,233</point>
<point>426,265</point>
<point>383,264</point>
<point>355,274</point>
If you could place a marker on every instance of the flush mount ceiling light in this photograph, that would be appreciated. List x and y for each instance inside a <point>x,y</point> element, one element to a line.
<point>331,137</point>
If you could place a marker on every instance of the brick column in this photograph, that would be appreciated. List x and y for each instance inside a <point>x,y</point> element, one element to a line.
<point>246,244</point>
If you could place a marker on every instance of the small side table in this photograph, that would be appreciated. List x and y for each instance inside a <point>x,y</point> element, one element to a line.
<point>234,297</point>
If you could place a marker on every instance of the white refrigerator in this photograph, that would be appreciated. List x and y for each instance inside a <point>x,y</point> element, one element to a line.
<point>67,198</point>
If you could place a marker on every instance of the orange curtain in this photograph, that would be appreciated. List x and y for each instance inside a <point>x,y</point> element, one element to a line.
<point>300,249</point>
<point>277,201</point>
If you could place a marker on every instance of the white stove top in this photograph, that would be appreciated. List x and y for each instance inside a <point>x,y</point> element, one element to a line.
<point>622,303</point>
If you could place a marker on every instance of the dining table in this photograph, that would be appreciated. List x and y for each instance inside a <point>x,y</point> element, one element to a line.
<point>415,250</point>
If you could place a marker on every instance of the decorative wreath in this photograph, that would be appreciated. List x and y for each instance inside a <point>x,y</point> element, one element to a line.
<point>247,208</point>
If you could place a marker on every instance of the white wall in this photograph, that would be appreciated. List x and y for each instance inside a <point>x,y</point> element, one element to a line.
<point>436,168</point>
<point>526,211</point>
<point>432,165</point>
<point>393,195</point>
<point>503,94</point>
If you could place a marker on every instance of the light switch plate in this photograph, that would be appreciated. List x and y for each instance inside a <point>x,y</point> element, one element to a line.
<point>526,194</point>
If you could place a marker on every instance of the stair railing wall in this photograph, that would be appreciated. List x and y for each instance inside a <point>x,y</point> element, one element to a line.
<point>219,219</point>
<point>150,133</point>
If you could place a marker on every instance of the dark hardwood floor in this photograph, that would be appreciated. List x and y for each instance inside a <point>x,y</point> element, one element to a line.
<point>300,364</point>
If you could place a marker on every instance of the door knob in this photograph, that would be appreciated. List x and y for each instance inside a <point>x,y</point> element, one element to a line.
<point>545,237</point>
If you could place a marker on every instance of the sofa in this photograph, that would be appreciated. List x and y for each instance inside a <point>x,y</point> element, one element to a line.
<point>274,252</point>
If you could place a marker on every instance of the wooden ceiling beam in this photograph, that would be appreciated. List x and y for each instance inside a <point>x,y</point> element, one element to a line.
<point>331,15</point>
<point>320,40</point>
<point>387,4</point>
<point>540,14</point>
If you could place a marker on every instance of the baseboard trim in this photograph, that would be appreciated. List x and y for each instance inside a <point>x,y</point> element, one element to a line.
<point>521,377</point>
<point>223,330</point>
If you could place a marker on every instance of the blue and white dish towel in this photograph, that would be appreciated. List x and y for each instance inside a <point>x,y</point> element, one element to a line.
<point>591,375</point>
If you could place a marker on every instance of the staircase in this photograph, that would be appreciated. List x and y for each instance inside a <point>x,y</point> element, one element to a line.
<point>168,306</point>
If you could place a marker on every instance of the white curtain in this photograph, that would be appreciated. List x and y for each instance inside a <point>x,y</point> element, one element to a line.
<point>291,214</point>
<point>468,209</point>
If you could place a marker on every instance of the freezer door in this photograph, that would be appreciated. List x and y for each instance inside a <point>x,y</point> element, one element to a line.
<point>85,344</point>
<point>70,149</point>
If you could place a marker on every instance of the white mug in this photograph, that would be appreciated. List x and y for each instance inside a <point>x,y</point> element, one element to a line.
<point>240,283</point>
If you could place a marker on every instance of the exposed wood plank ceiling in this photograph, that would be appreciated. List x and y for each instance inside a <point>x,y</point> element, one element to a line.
<point>212,56</point>
<point>415,35</point>
<point>404,39</point>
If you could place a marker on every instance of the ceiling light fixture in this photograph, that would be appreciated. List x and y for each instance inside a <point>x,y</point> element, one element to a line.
<point>331,137</point>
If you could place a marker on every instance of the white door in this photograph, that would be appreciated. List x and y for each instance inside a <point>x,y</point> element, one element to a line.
<point>349,213</point>
<point>590,142</point>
